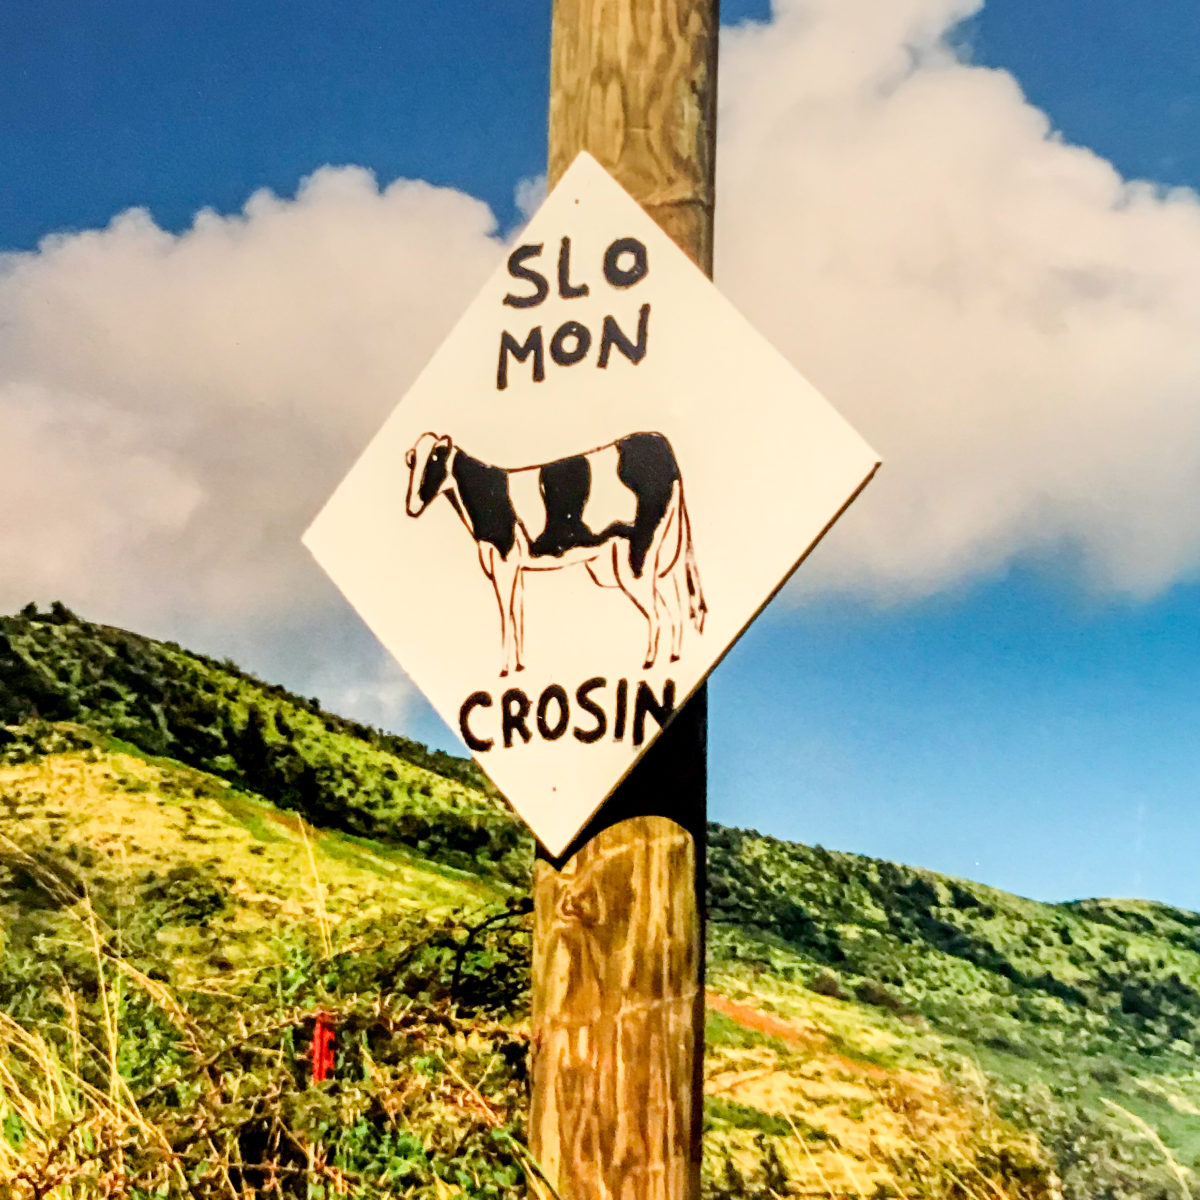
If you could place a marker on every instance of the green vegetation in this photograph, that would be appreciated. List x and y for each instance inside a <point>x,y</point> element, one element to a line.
<point>198,870</point>
<point>1084,1017</point>
<point>166,959</point>
<point>339,774</point>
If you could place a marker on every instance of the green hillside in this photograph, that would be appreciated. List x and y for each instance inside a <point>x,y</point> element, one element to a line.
<point>338,773</point>
<point>1083,1018</point>
<point>172,929</point>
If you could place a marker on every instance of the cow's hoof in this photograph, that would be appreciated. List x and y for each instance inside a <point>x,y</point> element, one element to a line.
<point>647,664</point>
<point>503,673</point>
<point>520,666</point>
<point>674,657</point>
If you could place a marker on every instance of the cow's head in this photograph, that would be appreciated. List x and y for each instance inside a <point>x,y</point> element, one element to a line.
<point>428,470</point>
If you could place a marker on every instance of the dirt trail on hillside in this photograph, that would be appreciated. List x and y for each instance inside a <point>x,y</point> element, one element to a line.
<point>763,1022</point>
<point>792,1033</point>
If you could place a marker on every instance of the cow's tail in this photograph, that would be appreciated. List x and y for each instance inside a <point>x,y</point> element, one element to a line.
<point>696,606</point>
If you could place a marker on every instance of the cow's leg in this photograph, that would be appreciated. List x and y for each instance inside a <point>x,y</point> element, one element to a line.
<point>504,577</point>
<point>641,590</point>
<point>661,559</point>
<point>506,584</point>
<point>669,563</point>
<point>518,617</point>
<point>674,601</point>
<point>666,611</point>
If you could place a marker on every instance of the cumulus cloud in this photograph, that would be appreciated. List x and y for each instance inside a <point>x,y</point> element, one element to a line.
<point>529,194</point>
<point>1007,320</point>
<point>176,408</point>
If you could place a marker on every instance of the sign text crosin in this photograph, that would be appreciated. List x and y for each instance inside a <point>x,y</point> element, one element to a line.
<point>552,715</point>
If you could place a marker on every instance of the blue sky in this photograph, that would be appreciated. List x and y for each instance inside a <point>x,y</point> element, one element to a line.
<point>1016,722</point>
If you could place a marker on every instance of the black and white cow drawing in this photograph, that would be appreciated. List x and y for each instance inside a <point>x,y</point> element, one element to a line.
<point>617,509</point>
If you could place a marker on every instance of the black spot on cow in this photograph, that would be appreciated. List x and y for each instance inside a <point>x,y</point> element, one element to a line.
<point>484,492</point>
<point>646,465</point>
<point>565,486</point>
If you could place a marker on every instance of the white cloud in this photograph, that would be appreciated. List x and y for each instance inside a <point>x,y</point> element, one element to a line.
<point>529,194</point>
<point>176,408</point>
<point>102,498</point>
<point>1008,321</point>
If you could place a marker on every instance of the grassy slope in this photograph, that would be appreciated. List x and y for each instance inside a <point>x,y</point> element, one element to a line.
<point>1083,1017</point>
<point>166,944</point>
<point>871,1026</point>
<point>222,868</point>
<point>214,717</point>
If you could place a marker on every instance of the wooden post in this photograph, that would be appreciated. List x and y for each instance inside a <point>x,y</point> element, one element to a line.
<point>618,984</point>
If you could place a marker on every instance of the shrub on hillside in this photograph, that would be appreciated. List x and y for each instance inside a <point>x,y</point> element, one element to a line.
<point>825,983</point>
<point>870,992</point>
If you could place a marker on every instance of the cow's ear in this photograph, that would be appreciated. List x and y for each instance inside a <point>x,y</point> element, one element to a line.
<point>410,459</point>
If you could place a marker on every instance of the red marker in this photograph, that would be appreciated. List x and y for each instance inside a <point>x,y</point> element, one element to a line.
<point>322,1047</point>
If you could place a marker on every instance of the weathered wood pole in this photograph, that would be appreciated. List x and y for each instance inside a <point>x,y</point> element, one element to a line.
<point>618,985</point>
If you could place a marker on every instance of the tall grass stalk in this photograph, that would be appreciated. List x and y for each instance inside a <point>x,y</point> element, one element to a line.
<point>1151,1135</point>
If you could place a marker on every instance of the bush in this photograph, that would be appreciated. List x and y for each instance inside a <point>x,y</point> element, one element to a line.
<point>825,983</point>
<point>870,992</point>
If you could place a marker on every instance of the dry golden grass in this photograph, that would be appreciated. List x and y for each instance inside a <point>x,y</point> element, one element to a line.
<point>844,1117</point>
<point>841,1123</point>
<point>121,815</point>
<point>73,1130</point>
<point>72,1127</point>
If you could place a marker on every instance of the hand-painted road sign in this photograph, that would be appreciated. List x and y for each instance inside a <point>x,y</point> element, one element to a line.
<point>591,490</point>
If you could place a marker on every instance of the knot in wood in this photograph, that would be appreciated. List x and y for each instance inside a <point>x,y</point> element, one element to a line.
<point>582,906</point>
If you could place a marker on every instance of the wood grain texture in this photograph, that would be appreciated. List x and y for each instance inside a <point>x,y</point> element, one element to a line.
<point>634,82</point>
<point>618,996</point>
<point>617,957</point>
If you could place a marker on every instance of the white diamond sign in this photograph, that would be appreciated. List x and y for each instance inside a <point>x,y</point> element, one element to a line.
<point>598,481</point>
